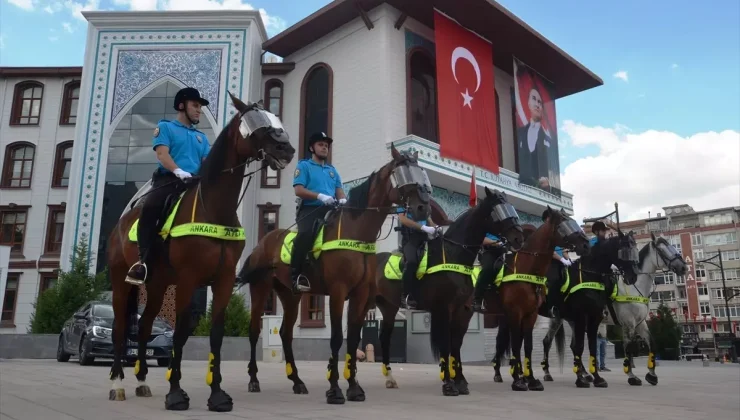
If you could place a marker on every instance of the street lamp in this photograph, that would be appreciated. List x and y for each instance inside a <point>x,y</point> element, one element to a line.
<point>727,298</point>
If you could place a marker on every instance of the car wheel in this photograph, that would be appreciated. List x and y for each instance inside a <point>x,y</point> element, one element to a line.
<point>84,359</point>
<point>62,356</point>
<point>163,362</point>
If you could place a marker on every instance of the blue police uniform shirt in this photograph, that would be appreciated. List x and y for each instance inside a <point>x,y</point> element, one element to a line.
<point>318,178</point>
<point>593,240</point>
<point>492,237</point>
<point>187,145</point>
<point>559,251</point>
<point>420,222</point>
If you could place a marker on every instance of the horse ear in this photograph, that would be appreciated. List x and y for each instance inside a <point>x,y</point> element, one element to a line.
<point>394,152</point>
<point>652,236</point>
<point>238,104</point>
<point>488,192</point>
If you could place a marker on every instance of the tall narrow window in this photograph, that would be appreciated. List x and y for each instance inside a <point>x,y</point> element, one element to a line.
<point>10,300</point>
<point>62,165</point>
<point>13,228</point>
<point>55,230</point>
<point>422,95</point>
<point>316,105</point>
<point>274,97</point>
<point>27,100</point>
<point>69,103</point>
<point>18,165</point>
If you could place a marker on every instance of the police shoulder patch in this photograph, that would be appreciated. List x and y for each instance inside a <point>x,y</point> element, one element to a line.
<point>156,131</point>
<point>297,172</point>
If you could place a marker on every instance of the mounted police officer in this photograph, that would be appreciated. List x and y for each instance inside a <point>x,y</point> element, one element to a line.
<point>561,262</point>
<point>492,249</point>
<point>414,234</point>
<point>180,150</point>
<point>318,186</point>
<point>599,230</point>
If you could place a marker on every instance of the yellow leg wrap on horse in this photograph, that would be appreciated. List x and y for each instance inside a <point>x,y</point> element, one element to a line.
<point>651,360</point>
<point>442,369</point>
<point>168,375</point>
<point>512,369</point>
<point>328,370</point>
<point>347,372</point>
<point>575,364</point>
<point>385,369</point>
<point>137,367</point>
<point>592,364</point>
<point>288,369</point>
<point>209,374</point>
<point>626,365</point>
<point>525,369</point>
<point>453,372</point>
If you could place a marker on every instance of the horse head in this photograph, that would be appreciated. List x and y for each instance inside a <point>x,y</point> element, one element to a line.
<point>668,257</point>
<point>500,216</point>
<point>264,134</point>
<point>409,183</point>
<point>568,234</point>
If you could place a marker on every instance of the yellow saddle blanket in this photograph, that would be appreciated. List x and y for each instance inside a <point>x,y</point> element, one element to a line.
<point>319,245</point>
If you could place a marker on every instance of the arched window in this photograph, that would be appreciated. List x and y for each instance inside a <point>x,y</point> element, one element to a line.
<point>18,165</point>
<point>421,91</point>
<point>274,97</point>
<point>27,103</point>
<point>69,103</point>
<point>316,105</point>
<point>62,165</point>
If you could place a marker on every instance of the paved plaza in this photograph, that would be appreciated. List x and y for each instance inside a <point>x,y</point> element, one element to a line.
<point>46,389</point>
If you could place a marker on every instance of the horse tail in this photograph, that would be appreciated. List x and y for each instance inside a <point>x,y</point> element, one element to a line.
<point>503,339</point>
<point>244,275</point>
<point>560,345</point>
<point>439,329</point>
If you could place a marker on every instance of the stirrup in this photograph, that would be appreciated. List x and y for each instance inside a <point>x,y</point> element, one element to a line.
<point>134,281</point>
<point>479,305</point>
<point>405,303</point>
<point>297,286</point>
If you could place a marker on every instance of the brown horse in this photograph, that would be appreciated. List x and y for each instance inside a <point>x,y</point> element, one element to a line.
<point>521,290</point>
<point>341,272</point>
<point>204,250</point>
<point>446,285</point>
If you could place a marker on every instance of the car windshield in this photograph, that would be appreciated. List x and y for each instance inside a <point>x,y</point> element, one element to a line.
<point>103,311</point>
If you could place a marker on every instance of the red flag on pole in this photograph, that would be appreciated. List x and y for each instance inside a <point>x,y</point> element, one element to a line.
<point>465,92</point>
<point>473,192</point>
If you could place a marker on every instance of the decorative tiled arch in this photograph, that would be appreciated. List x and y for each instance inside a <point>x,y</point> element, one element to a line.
<point>102,102</point>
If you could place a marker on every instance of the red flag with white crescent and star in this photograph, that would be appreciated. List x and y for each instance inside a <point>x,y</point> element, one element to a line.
<point>466,100</point>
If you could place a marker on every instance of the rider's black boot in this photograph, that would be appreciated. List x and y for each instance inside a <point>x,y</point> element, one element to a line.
<point>407,300</point>
<point>300,282</point>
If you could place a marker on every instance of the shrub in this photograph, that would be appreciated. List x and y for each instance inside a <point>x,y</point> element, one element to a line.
<point>73,289</point>
<point>666,332</point>
<point>236,323</point>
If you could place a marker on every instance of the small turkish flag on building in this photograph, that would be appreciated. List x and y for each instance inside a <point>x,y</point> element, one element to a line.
<point>466,100</point>
<point>473,191</point>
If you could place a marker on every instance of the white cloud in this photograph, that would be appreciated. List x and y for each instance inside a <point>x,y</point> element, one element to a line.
<point>674,66</point>
<point>621,74</point>
<point>24,4</point>
<point>53,38</point>
<point>2,41</point>
<point>646,171</point>
<point>67,27</point>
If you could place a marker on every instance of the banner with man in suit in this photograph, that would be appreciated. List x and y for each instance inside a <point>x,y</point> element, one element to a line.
<point>536,130</point>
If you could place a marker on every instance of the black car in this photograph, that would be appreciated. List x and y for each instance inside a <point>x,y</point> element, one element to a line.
<point>88,335</point>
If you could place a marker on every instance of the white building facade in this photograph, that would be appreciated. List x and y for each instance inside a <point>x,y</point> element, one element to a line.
<point>346,71</point>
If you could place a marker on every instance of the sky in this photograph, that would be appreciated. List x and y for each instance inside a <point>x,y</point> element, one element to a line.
<point>664,129</point>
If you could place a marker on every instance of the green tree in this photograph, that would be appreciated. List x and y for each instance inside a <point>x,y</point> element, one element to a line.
<point>73,289</point>
<point>666,333</point>
<point>237,319</point>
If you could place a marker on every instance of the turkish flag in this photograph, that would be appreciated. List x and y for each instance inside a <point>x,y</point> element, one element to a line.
<point>466,100</point>
<point>473,193</point>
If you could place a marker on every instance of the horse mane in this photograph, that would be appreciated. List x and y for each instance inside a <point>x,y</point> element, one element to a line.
<point>212,167</point>
<point>359,195</point>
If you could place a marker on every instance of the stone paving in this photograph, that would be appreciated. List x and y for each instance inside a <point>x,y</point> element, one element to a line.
<point>46,389</point>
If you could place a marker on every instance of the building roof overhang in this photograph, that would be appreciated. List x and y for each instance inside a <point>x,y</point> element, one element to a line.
<point>40,72</point>
<point>509,35</point>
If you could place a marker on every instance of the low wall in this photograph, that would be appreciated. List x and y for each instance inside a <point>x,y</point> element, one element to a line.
<point>44,346</point>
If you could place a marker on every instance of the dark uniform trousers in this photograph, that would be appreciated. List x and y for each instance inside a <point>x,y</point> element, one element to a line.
<point>163,184</point>
<point>413,241</point>
<point>306,217</point>
<point>555,279</point>
<point>488,268</point>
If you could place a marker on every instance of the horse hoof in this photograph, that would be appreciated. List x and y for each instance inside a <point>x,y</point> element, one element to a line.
<point>547,377</point>
<point>334,396</point>
<point>582,383</point>
<point>449,389</point>
<point>298,389</point>
<point>498,379</point>
<point>177,400</point>
<point>462,387</point>
<point>634,381</point>
<point>651,378</point>
<point>588,378</point>
<point>519,385</point>
<point>143,391</point>
<point>600,383</point>
<point>536,385</point>
<point>253,387</point>
<point>391,383</point>
<point>355,393</point>
<point>117,395</point>
<point>220,402</point>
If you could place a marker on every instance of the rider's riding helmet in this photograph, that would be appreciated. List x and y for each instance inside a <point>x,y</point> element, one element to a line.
<point>598,227</point>
<point>319,136</point>
<point>188,94</point>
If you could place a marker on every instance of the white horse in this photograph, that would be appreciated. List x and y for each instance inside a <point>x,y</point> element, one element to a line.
<point>631,308</point>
